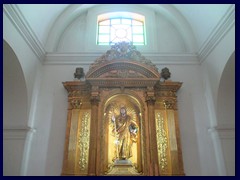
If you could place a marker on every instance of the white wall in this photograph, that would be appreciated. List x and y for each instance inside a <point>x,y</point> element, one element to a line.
<point>198,151</point>
<point>14,112</point>
<point>27,59</point>
<point>13,148</point>
<point>14,123</point>
<point>221,129</point>
<point>51,117</point>
<point>14,91</point>
<point>167,37</point>
<point>74,37</point>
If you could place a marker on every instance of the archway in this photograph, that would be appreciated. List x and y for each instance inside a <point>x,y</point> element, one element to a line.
<point>226,114</point>
<point>111,109</point>
<point>14,111</point>
<point>226,95</point>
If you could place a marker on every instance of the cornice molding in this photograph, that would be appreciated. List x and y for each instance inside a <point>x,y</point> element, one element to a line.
<point>16,133</point>
<point>14,14</point>
<point>217,34</point>
<point>226,133</point>
<point>89,58</point>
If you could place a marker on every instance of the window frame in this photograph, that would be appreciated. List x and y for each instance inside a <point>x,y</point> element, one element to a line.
<point>131,26</point>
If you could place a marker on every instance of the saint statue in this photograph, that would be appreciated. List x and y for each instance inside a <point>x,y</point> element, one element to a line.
<point>125,131</point>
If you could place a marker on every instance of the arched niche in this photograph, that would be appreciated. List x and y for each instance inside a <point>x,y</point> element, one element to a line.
<point>226,114</point>
<point>14,90</point>
<point>112,107</point>
<point>226,95</point>
<point>14,112</point>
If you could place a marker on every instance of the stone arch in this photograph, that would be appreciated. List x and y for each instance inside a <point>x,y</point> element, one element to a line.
<point>15,115</point>
<point>226,114</point>
<point>226,94</point>
<point>14,90</point>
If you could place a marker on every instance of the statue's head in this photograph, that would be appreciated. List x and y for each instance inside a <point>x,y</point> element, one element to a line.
<point>123,110</point>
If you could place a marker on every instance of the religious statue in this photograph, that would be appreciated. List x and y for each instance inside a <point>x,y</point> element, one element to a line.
<point>125,131</point>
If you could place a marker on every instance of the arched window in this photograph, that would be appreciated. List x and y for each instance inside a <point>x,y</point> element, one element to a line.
<point>121,26</point>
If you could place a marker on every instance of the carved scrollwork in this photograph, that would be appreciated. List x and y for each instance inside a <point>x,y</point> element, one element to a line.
<point>122,50</point>
<point>83,141</point>
<point>162,143</point>
<point>123,73</point>
<point>166,94</point>
<point>169,104</point>
<point>78,93</point>
<point>76,103</point>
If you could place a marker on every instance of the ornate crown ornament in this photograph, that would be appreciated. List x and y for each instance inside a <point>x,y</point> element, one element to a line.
<point>165,73</point>
<point>79,73</point>
<point>122,50</point>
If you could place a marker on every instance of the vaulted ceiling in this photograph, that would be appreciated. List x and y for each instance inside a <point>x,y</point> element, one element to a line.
<point>200,20</point>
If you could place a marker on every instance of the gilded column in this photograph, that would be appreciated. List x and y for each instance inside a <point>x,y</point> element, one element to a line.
<point>150,99</point>
<point>93,133</point>
<point>174,136</point>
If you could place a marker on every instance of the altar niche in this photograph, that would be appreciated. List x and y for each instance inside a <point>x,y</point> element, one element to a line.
<point>122,120</point>
<point>123,132</point>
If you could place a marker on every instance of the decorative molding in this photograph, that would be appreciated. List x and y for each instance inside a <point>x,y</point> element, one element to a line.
<point>22,26</point>
<point>226,133</point>
<point>16,133</point>
<point>122,51</point>
<point>223,132</point>
<point>87,58</point>
<point>217,34</point>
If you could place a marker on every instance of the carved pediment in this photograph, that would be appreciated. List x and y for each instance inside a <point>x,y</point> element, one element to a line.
<point>122,73</point>
<point>122,51</point>
<point>122,69</point>
<point>122,65</point>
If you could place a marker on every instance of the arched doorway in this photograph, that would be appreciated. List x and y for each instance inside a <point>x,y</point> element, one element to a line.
<point>226,114</point>
<point>14,111</point>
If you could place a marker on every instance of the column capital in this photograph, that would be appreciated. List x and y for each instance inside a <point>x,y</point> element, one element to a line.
<point>76,103</point>
<point>95,100</point>
<point>169,104</point>
<point>150,100</point>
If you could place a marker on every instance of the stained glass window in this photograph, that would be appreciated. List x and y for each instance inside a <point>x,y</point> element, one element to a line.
<point>120,29</point>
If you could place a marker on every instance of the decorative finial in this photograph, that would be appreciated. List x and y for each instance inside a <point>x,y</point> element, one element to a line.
<point>79,73</point>
<point>165,74</point>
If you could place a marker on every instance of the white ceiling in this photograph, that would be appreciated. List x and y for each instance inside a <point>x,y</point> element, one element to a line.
<point>202,18</point>
<point>41,17</point>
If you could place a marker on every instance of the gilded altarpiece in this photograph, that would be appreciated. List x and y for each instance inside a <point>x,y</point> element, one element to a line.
<point>122,120</point>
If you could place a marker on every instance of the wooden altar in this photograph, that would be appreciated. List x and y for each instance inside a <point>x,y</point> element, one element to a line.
<point>122,77</point>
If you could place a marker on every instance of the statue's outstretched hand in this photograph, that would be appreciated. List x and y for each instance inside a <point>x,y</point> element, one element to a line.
<point>113,118</point>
